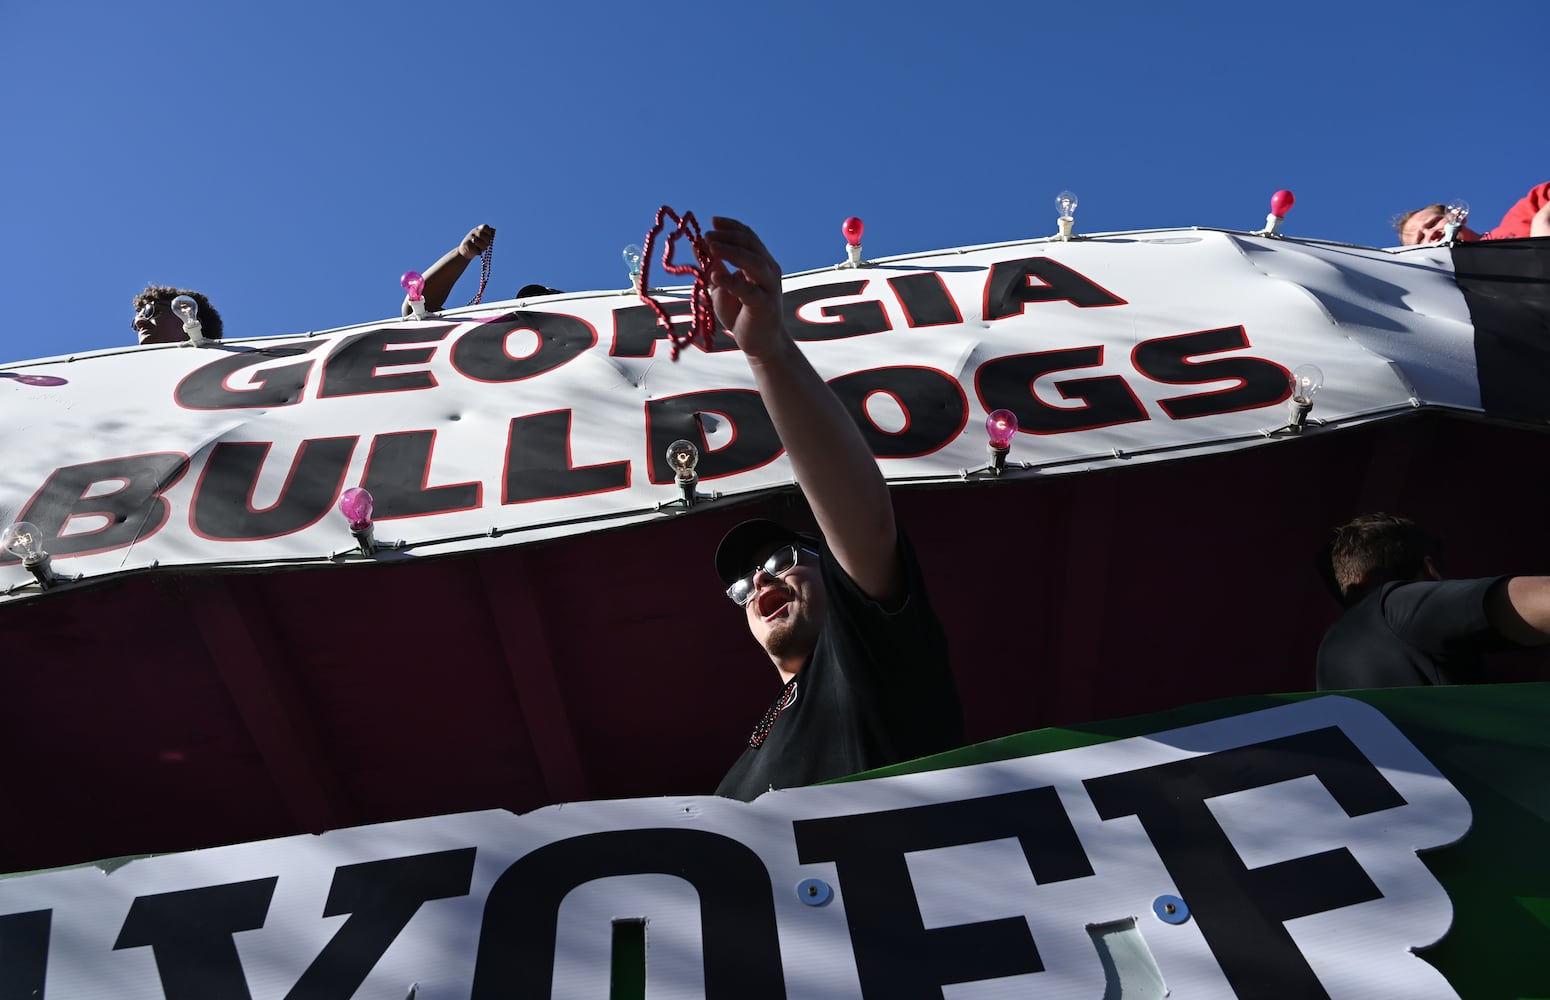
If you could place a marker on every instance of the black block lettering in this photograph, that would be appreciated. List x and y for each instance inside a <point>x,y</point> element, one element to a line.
<point>1008,383</point>
<point>1166,359</point>
<point>351,370</point>
<point>896,956</point>
<point>737,910</point>
<point>1242,911</point>
<point>399,461</point>
<point>1008,288</point>
<point>380,897</point>
<point>189,933</point>
<point>222,507</point>
<point>24,954</point>
<point>538,462</point>
<point>637,330</point>
<point>133,512</point>
<point>934,406</point>
<point>208,388</point>
<point>481,352</point>
<point>925,299</point>
<point>854,319</point>
<point>754,441</point>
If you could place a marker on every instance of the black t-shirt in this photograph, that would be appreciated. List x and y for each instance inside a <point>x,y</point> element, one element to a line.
<point>876,689</point>
<point>1426,632</point>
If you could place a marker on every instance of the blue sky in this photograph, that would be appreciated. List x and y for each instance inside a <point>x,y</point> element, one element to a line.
<point>291,159</point>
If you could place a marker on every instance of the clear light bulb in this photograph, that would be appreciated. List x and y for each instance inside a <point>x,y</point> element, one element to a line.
<point>1306,381</point>
<point>632,259</point>
<point>1066,200</point>
<point>186,308</point>
<point>1457,211</point>
<point>853,227</point>
<point>684,458</point>
<point>414,284</point>
<point>356,505</point>
<point>1281,202</point>
<point>1001,426</point>
<point>23,540</point>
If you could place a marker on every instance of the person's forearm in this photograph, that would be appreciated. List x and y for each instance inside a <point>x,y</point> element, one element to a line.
<point>1519,609</point>
<point>440,277</point>
<point>834,467</point>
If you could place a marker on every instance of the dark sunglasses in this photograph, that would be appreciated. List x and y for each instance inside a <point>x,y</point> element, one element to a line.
<point>148,311</point>
<point>780,562</point>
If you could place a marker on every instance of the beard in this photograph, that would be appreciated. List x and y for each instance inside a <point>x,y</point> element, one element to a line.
<point>796,636</point>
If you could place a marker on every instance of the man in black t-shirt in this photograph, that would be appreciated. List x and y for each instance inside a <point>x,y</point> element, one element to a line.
<point>844,619</point>
<point>1405,625</point>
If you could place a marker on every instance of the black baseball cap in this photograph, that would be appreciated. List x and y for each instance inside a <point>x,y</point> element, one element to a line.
<point>739,547</point>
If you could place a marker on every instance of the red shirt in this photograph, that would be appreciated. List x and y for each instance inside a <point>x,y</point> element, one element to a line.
<point>1515,223</point>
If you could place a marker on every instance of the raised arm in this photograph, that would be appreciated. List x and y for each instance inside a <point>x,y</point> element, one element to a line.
<point>1519,609</point>
<point>834,467</point>
<point>442,275</point>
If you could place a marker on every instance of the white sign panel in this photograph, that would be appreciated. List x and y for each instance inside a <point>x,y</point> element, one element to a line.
<point>503,424</point>
<point>1271,854</point>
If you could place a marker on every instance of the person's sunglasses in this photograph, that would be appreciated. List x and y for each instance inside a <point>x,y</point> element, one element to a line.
<point>147,311</point>
<point>780,562</point>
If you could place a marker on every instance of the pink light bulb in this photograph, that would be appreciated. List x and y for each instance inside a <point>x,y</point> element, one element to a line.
<point>414,284</point>
<point>852,228</point>
<point>1001,426</point>
<point>356,504</point>
<point>1281,202</point>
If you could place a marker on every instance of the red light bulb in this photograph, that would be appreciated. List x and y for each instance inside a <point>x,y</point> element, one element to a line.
<point>1281,202</point>
<point>1001,426</point>
<point>356,505</point>
<point>852,228</point>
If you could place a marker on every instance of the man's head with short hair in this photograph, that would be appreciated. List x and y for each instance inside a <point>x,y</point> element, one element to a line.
<point>161,325</point>
<point>784,612</point>
<point>1375,549</point>
<point>1427,225</point>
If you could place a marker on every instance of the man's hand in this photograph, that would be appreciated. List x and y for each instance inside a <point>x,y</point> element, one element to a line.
<point>476,242</point>
<point>442,275</point>
<point>747,301</point>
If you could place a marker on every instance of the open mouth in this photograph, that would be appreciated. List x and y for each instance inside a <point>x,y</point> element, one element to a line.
<point>773,603</point>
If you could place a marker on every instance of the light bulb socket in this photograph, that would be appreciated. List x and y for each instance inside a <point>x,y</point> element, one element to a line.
<point>686,488</point>
<point>1066,222</point>
<point>1450,232</point>
<point>365,537</point>
<point>416,309</point>
<point>998,460</point>
<point>1297,411</point>
<point>1272,225</point>
<point>41,567</point>
<point>196,333</point>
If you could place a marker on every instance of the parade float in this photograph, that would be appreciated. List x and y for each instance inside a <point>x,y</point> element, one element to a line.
<point>388,661</point>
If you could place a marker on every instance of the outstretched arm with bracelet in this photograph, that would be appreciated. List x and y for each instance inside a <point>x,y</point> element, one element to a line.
<point>441,276</point>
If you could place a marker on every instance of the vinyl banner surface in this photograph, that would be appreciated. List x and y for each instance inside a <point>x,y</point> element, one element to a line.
<point>502,424</point>
<point>1269,854</point>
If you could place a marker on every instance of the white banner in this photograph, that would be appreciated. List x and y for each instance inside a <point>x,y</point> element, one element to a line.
<point>1269,854</point>
<point>506,423</point>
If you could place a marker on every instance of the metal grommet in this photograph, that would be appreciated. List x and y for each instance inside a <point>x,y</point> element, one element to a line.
<point>1170,909</point>
<point>814,892</point>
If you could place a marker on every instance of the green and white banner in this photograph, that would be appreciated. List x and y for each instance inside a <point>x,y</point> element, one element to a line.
<point>1380,846</point>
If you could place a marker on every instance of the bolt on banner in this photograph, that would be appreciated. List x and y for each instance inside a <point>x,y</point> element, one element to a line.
<point>1270,854</point>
